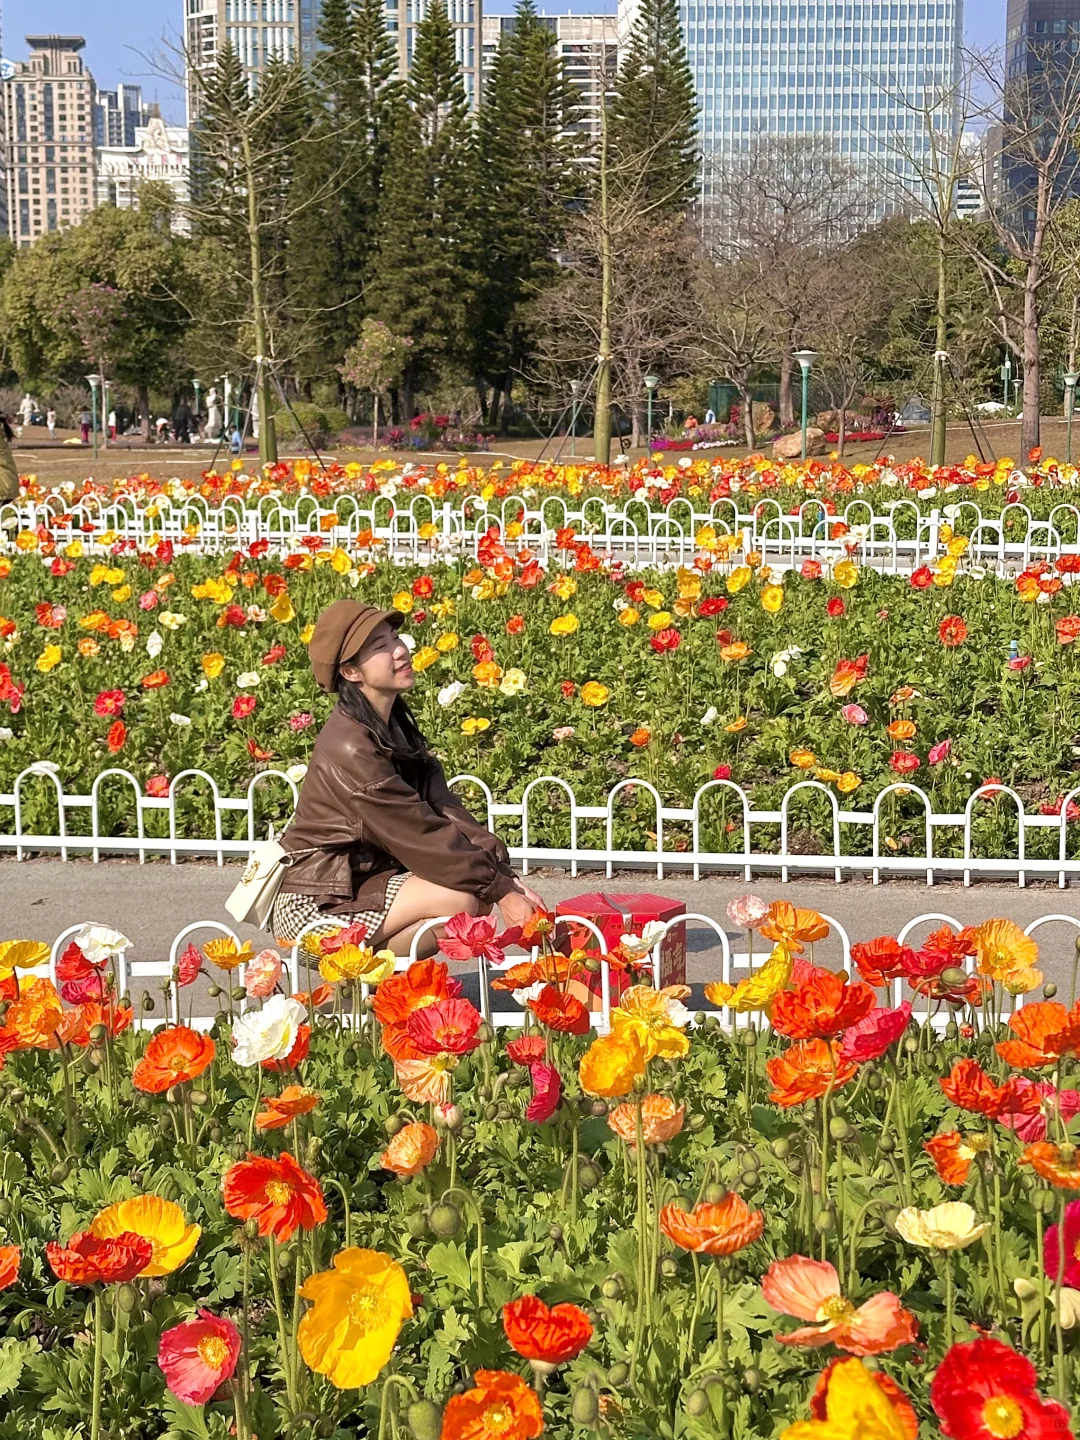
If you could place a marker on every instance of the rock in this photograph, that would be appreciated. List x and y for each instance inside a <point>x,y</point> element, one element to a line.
<point>789,447</point>
<point>828,420</point>
<point>764,418</point>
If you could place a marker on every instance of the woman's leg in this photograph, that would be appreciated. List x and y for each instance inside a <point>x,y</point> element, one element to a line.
<point>416,902</point>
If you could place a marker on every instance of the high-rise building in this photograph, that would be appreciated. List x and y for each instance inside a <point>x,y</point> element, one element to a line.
<point>856,70</point>
<point>588,46</point>
<point>49,131</point>
<point>260,29</point>
<point>118,114</point>
<point>158,153</point>
<point>1042,41</point>
<point>1034,26</point>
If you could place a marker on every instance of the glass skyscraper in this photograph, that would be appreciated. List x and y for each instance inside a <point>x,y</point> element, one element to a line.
<point>821,67</point>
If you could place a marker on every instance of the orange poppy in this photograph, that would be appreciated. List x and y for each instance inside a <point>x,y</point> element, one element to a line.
<point>661,1120</point>
<point>1059,1165</point>
<point>794,927</point>
<point>425,982</point>
<point>517,977</point>
<point>173,1056</point>
<point>1046,1032</point>
<point>821,1006</point>
<point>319,996</point>
<point>10,1259</point>
<point>34,1017</point>
<point>847,675</point>
<point>500,1407</point>
<point>968,1086</point>
<point>411,1150</point>
<point>806,1071</point>
<point>279,1110</point>
<point>76,1024</point>
<point>953,1154</point>
<point>426,1081</point>
<point>557,1011</point>
<point>713,1229</point>
<point>278,1194</point>
<point>86,1260</point>
<point>905,1413</point>
<point>550,1336</point>
<point>901,730</point>
<point>952,632</point>
<point>882,960</point>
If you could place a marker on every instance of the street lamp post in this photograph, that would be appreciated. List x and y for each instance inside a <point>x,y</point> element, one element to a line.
<point>1006,375</point>
<point>1071,382</point>
<point>805,358</point>
<point>94,381</point>
<point>575,386</point>
<point>197,387</point>
<point>104,412</point>
<point>651,382</point>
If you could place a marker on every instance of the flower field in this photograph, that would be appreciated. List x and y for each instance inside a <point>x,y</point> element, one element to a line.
<point>156,662</point>
<point>833,1223</point>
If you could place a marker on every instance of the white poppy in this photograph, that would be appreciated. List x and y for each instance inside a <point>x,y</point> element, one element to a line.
<point>269,1033</point>
<point>180,720</point>
<point>449,693</point>
<point>98,943</point>
<point>155,643</point>
<point>248,680</point>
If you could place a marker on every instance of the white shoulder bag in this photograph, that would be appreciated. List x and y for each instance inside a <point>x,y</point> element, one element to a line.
<point>255,892</point>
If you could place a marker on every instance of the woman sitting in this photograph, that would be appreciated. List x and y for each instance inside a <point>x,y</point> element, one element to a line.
<point>378,836</point>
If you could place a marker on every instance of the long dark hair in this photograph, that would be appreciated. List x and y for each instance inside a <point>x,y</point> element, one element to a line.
<point>412,755</point>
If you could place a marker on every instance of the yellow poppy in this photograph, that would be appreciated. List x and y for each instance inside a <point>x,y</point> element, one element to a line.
<point>628,616</point>
<point>213,664</point>
<point>22,955</point>
<point>122,594</point>
<point>857,1408</point>
<point>358,962</point>
<point>564,625</point>
<point>49,658</point>
<point>475,725</point>
<point>564,587</point>
<point>757,991</point>
<point>340,562</point>
<point>653,598</point>
<point>594,694</point>
<point>402,601</point>
<point>282,609</point>
<point>224,954</point>
<point>848,782</point>
<point>160,1221</point>
<point>612,1064</point>
<point>845,573</point>
<point>660,620</point>
<point>445,643</point>
<point>216,590</point>
<point>772,598</point>
<point>736,725</point>
<point>357,1312</point>
<point>803,759</point>
<point>307,633</point>
<point>425,656</point>
<point>739,579</point>
<point>657,1017</point>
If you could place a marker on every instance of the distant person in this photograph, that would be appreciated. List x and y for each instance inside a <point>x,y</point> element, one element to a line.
<point>112,424</point>
<point>161,427</point>
<point>710,417</point>
<point>9,471</point>
<point>236,440</point>
<point>182,423</point>
<point>50,421</point>
<point>85,421</point>
<point>27,407</point>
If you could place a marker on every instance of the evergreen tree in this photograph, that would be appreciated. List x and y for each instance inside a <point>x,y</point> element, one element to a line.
<point>525,183</point>
<point>381,87</point>
<point>654,141</point>
<point>424,276</point>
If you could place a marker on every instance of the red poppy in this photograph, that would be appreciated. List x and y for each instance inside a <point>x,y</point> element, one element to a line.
<point>821,1006</point>
<point>173,1056</point>
<point>870,1037</point>
<point>551,1335</point>
<point>449,1027</point>
<point>835,608</point>
<point>903,762</point>
<point>243,706</point>
<point>527,1049</point>
<point>968,1086</point>
<point>116,737</point>
<point>301,1045</point>
<point>713,605</point>
<point>984,1390</point>
<point>922,578</point>
<point>1053,1249</point>
<point>77,979</point>
<point>664,640</point>
<point>882,960</point>
<point>952,632</point>
<point>86,1260</point>
<point>547,1092</point>
<point>256,751</point>
<point>109,703</point>
<point>559,1011</point>
<point>425,982</point>
<point>279,1195</point>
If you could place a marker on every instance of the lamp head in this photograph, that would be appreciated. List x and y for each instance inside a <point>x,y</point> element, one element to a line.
<point>651,382</point>
<point>1071,381</point>
<point>806,358</point>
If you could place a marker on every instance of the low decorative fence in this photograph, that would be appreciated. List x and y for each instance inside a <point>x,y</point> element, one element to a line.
<point>897,539</point>
<point>134,976</point>
<point>1044,847</point>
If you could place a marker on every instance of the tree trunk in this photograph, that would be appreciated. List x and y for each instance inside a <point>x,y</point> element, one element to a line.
<point>602,422</point>
<point>507,404</point>
<point>938,435</point>
<point>144,411</point>
<point>374,418</point>
<point>787,398</point>
<point>635,426</point>
<point>748,415</point>
<point>481,396</point>
<point>267,444</point>
<point>843,429</point>
<point>1031,424</point>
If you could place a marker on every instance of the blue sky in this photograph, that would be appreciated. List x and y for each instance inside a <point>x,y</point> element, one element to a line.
<point>120,34</point>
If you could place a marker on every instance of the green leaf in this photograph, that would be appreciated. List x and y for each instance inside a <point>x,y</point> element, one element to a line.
<point>450,1262</point>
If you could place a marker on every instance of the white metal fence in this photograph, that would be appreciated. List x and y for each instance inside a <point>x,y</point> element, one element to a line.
<point>859,838</point>
<point>895,538</point>
<point>732,964</point>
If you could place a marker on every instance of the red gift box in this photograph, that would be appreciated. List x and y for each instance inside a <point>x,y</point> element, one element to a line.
<point>618,913</point>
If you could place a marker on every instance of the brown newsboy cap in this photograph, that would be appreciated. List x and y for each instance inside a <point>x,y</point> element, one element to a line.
<point>340,633</point>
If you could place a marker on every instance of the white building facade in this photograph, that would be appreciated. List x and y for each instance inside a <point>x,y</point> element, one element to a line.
<point>160,154</point>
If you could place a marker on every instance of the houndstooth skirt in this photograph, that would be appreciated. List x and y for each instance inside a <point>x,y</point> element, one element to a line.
<point>292,913</point>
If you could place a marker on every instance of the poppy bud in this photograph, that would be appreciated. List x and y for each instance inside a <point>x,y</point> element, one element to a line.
<point>839,1128</point>
<point>696,1123</point>
<point>127,1297</point>
<point>485,1033</point>
<point>93,1060</point>
<point>18,1095</point>
<point>612,1288</point>
<point>216,1134</point>
<point>556,1234</point>
<point>886,1144</point>
<point>669,1267</point>
<point>954,977</point>
<point>714,1194</point>
<point>98,1033</point>
<point>199,1097</point>
<point>349,1058</point>
<point>213,991</point>
<point>781,1147</point>
<point>416,1224</point>
<point>585,1406</point>
<point>748,1179</point>
<point>749,1037</point>
<point>825,1223</point>
<point>618,1374</point>
<point>238,992</point>
<point>592,965</point>
<point>424,1419</point>
<point>598,1108</point>
<point>751,1381</point>
<point>1049,990</point>
<point>60,1172</point>
<point>173,1094</point>
<point>699,1018</point>
<point>6,1207</point>
<point>147,1003</point>
<point>697,1403</point>
<point>589,1175</point>
<point>393,1125</point>
<point>445,1221</point>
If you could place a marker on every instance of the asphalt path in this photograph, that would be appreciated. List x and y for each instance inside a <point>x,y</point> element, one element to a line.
<point>152,903</point>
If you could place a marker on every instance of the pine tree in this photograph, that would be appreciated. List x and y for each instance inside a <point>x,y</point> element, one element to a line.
<point>654,142</point>
<point>382,89</point>
<point>526,180</point>
<point>424,275</point>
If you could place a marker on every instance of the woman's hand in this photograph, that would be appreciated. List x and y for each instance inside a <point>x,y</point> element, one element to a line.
<point>537,901</point>
<point>515,908</point>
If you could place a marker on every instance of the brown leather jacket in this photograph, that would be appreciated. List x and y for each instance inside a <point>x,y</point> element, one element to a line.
<point>369,823</point>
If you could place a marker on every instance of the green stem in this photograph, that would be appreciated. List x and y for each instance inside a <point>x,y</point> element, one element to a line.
<point>99,1337</point>
<point>283,1332</point>
<point>255,1106</point>
<point>1062,1384</point>
<point>721,1335</point>
<point>949,1300</point>
<point>479,1257</point>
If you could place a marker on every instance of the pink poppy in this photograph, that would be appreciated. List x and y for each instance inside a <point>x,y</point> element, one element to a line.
<point>1052,1249</point>
<point>854,714</point>
<point>447,1027</point>
<point>870,1037</point>
<point>810,1290</point>
<point>158,787</point>
<point>747,911</point>
<point>148,600</point>
<point>188,966</point>
<point>79,980</point>
<point>940,752</point>
<point>262,974</point>
<point>301,721</point>
<point>1030,1124</point>
<point>471,937</point>
<point>354,934</point>
<point>243,706</point>
<point>547,1092</point>
<point>198,1356</point>
<point>527,1049</point>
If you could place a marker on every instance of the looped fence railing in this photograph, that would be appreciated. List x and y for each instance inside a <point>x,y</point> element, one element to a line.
<point>897,537</point>
<point>677,837</point>
<point>135,977</point>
